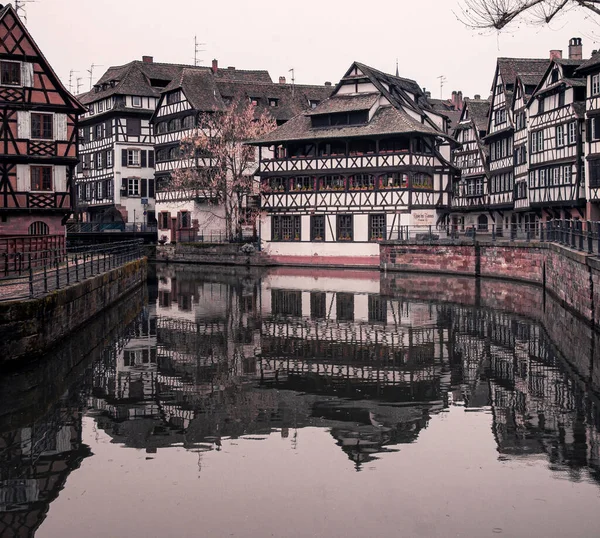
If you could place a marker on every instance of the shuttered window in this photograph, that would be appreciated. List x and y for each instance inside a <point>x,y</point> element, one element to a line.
<point>41,178</point>
<point>42,126</point>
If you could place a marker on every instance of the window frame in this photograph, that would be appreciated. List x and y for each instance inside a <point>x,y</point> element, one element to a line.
<point>131,161</point>
<point>40,169</point>
<point>317,228</point>
<point>42,133</point>
<point>19,84</point>
<point>377,230</point>
<point>345,227</point>
<point>133,101</point>
<point>133,186</point>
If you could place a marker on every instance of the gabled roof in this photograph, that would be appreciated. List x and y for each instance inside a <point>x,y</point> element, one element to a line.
<point>593,64</point>
<point>568,69</point>
<point>509,68</point>
<point>479,110</point>
<point>8,10</point>
<point>200,89</point>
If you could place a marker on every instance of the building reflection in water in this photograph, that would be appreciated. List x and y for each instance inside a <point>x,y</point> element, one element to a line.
<point>224,354</point>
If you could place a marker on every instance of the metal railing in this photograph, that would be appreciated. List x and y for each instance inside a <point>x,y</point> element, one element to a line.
<point>213,236</point>
<point>576,234</point>
<point>42,272</point>
<point>110,227</point>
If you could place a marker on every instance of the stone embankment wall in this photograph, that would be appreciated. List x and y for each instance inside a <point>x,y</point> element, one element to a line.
<point>572,277</point>
<point>30,328</point>
<point>209,253</point>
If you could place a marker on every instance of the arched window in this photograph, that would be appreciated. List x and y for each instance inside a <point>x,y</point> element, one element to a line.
<point>162,155</point>
<point>188,122</point>
<point>393,180</point>
<point>173,154</point>
<point>161,127</point>
<point>174,124</point>
<point>482,223</point>
<point>422,181</point>
<point>39,228</point>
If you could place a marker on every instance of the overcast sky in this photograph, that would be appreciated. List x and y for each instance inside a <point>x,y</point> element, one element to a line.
<point>318,38</point>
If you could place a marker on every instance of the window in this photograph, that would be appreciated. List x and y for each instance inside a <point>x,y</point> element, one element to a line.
<point>302,183</point>
<point>377,227</point>
<point>184,220</point>
<point>98,131</point>
<point>164,220</point>
<point>541,105</point>
<point>161,127</point>
<point>273,102</point>
<point>39,228</point>
<point>100,159</point>
<point>286,303</point>
<point>134,127</point>
<point>537,141</point>
<point>500,116</point>
<point>133,157</point>
<point>313,103</point>
<point>572,133</point>
<point>317,228</point>
<point>318,305</point>
<point>595,173</point>
<point>174,125</point>
<point>561,99</point>
<point>377,309</point>
<point>332,183</point>
<point>344,306</point>
<point>174,153</point>
<point>394,145</point>
<point>136,101</point>
<point>393,180</point>
<point>10,73</point>
<point>521,121</point>
<point>41,126</point>
<point>567,174</point>
<point>133,186</point>
<point>173,98</point>
<point>41,178</point>
<point>188,122</point>
<point>100,106</point>
<point>596,84</point>
<point>91,108</point>
<point>345,231</point>
<point>542,177</point>
<point>285,228</point>
<point>99,190</point>
<point>560,136</point>
<point>109,159</point>
<point>361,182</point>
<point>422,181</point>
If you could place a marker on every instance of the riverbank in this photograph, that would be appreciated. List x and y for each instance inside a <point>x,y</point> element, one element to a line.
<point>30,328</point>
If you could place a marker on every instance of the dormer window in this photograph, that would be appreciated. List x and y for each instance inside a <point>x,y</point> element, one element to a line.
<point>254,100</point>
<point>339,119</point>
<point>273,102</point>
<point>100,106</point>
<point>10,73</point>
<point>91,108</point>
<point>313,103</point>
<point>554,76</point>
<point>173,98</point>
<point>136,101</point>
<point>227,99</point>
<point>541,106</point>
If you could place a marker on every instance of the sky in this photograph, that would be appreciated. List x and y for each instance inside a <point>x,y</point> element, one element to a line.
<point>319,39</point>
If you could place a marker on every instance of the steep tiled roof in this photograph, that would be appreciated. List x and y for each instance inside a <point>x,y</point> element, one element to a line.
<point>479,110</point>
<point>200,88</point>
<point>591,64</point>
<point>386,121</point>
<point>509,68</point>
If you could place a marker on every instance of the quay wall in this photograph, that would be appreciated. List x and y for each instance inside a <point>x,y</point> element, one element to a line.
<point>207,253</point>
<point>572,277</point>
<point>30,328</point>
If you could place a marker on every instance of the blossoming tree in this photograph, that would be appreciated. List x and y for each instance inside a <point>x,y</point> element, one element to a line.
<point>217,166</point>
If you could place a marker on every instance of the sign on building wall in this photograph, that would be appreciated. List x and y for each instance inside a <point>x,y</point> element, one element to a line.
<point>424,217</point>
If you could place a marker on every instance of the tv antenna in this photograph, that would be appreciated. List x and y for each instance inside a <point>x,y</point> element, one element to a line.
<point>20,8</point>
<point>442,80</point>
<point>292,71</point>
<point>71,80</point>
<point>79,84</point>
<point>91,72</point>
<point>197,49</point>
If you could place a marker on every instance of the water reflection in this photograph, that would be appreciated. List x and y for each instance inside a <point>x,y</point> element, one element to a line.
<point>372,360</point>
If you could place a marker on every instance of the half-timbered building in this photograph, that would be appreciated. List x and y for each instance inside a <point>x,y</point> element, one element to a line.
<point>336,179</point>
<point>183,214</point>
<point>470,197</point>
<point>38,140</point>
<point>500,138</point>
<point>556,113</point>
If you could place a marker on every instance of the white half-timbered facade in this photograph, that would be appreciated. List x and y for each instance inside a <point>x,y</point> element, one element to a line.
<point>187,214</point>
<point>338,179</point>
<point>556,122</point>
<point>471,191</point>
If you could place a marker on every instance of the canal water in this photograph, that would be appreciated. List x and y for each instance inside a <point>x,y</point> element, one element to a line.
<point>298,403</point>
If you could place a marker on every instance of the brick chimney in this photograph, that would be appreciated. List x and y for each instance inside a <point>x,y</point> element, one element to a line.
<point>555,54</point>
<point>215,66</point>
<point>147,59</point>
<point>477,96</point>
<point>327,83</point>
<point>575,49</point>
<point>281,80</point>
<point>457,100</point>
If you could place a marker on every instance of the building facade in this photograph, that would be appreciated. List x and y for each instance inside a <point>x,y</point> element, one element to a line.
<point>38,153</point>
<point>339,178</point>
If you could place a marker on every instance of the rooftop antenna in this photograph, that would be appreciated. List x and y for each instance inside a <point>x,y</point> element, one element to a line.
<point>20,9</point>
<point>397,72</point>
<point>442,80</point>
<point>197,49</point>
<point>71,80</point>
<point>79,84</point>
<point>293,79</point>
<point>91,72</point>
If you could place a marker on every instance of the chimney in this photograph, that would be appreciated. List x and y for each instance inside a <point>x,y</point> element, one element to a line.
<point>327,83</point>
<point>477,96</point>
<point>231,68</point>
<point>215,66</point>
<point>427,94</point>
<point>281,80</point>
<point>555,54</point>
<point>459,100</point>
<point>147,59</point>
<point>575,49</point>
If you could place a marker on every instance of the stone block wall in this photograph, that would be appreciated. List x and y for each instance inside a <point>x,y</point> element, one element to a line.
<point>210,253</point>
<point>30,328</point>
<point>518,262</point>
<point>454,259</point>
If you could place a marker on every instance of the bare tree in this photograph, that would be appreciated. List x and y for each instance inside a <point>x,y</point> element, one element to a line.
<point>499,13</point>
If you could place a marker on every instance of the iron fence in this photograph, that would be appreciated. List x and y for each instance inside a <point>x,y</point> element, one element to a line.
<point>110,227</point>
<point>576,234</point>
<point>214,236</point>
<point>38,273</point>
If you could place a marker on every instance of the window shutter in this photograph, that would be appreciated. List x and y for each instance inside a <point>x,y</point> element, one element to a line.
<point>108,128</point>
<point>124,186</point>
<point>23,124</point>
<point>123,157</point>
<point>143,158</point>
<point>151,188</point>
<point>143,187</point>
<point>60,127</point>
<point>23,179</point>
<point>27,74</point>
<point>60,178</point>
<point>150,159</point>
